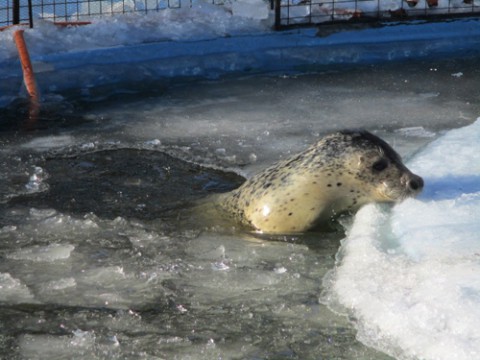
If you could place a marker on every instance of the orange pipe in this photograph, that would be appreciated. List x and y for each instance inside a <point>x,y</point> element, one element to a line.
<point>28,74</point>
<point>28,78</point>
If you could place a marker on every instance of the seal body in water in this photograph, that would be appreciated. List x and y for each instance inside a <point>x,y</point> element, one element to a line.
<point>339,173</point>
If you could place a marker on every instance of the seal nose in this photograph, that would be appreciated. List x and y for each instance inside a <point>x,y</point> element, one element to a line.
<point>415,183</point>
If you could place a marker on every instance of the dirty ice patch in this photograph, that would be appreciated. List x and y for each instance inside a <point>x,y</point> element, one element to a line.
<point>411,276</point>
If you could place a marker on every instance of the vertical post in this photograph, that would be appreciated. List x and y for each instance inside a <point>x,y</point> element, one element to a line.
<point>16,12</point>
<point>28,75</point>
<point>278,14</point>
<point>30,14</point>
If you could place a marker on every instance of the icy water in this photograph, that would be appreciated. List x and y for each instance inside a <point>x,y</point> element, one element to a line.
<point>94,262</point>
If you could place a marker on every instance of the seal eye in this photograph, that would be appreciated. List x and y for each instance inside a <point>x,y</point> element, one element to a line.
<point>380,165</point>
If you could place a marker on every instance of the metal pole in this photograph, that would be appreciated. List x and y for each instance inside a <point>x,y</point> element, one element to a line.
<point>30,14</point>
<point>277,14</point>
<point>16,12</point>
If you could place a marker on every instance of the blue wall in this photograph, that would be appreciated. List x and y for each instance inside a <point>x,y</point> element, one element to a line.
<point>288,51</point>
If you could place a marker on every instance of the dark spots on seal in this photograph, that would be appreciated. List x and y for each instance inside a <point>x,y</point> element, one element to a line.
<point>284,179</point>
<point>322,165</point>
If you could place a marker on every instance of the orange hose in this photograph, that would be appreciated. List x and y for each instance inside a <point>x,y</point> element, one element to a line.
<point>28,74</point>
<point>28,79</point>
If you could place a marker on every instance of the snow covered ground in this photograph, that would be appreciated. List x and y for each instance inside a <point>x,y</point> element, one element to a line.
<point>203,21</point>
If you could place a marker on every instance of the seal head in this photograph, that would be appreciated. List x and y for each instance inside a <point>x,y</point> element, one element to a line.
<point>339,173</point>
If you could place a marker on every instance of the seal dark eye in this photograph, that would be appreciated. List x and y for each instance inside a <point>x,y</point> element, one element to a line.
<point>380,165</point>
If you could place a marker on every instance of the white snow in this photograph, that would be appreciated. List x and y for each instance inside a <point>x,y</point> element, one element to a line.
<point>201,21</point>
<point>125,23</point>
<point>411,276</point>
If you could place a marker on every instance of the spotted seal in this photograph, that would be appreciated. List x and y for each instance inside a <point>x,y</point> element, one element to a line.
<point>339,173</point>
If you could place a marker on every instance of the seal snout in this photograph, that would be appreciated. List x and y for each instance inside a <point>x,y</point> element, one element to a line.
<point>414,183</point>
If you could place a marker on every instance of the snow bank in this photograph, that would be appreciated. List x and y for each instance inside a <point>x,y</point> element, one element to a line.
<point>202,21</point>
<point>411,277</point>
<point>208,41</point>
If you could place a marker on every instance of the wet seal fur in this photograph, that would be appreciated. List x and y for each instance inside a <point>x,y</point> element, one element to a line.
<point>339,173</point>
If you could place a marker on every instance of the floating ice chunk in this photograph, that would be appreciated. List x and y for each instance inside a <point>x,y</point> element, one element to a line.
<point>104,275</point>
<point>211,343</point>
<point>417,131</point>
<point>79,345</point>
<point>42,213</point>
<point>8,229</point>
<point>88,146</point>
<point>36,180</point>
<point>49,253</point>
<point>60,284</point>
<point>221,152</point>
<point>181,308</point>
<point>154,142</point>
<point>13,290</point>
<point>49,142</point>
<point>82,338</point>
<point>220,265</point>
